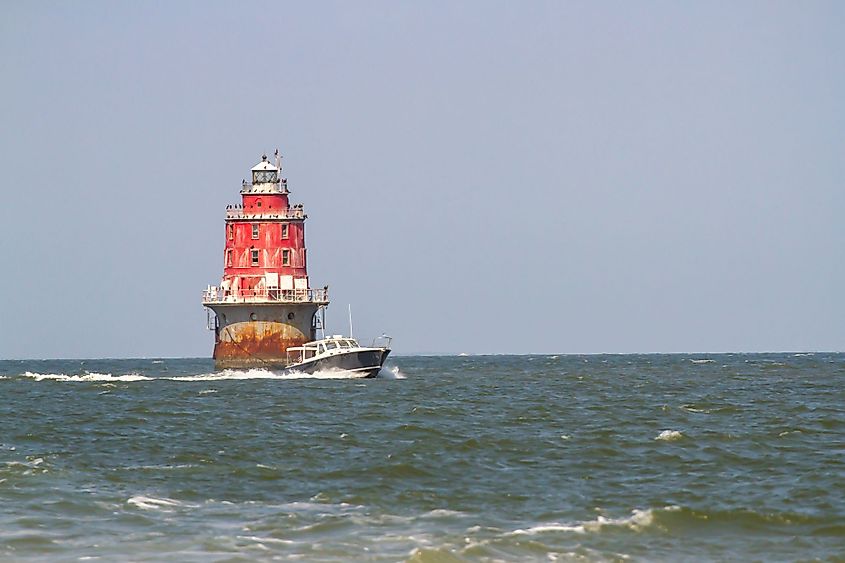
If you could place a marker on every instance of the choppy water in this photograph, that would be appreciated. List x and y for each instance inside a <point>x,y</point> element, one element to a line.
<point>584,458</point>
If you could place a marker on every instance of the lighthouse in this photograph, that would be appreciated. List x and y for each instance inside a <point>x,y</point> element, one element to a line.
<point>264,303</point>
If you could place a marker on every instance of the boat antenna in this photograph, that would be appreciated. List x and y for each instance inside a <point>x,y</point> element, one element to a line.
<point>350,321</point>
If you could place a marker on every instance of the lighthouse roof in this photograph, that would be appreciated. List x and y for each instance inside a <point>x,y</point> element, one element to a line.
<point>264,165</point>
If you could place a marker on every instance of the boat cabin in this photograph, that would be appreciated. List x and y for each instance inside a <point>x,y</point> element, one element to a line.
<point>326,346</point>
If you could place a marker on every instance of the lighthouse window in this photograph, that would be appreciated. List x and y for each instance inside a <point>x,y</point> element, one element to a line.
<point>285,257</point>
<point>230,231</point>
<point>264,176</point>
<point>254,257</point>
<point>284,230</point>
<point>255,231</point>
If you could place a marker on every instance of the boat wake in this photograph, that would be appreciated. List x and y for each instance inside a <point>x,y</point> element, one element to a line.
<point>391,373</point>
<point>261,373</point>
<point>87,377</point>
<point>225,375</point>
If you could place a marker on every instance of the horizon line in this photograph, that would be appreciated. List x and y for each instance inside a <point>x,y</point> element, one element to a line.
<point>461,355</point>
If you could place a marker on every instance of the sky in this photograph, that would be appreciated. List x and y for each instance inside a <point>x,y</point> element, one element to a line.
<point>479,176</point>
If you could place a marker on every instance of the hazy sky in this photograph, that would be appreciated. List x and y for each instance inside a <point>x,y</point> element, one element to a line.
<point>480,177</point>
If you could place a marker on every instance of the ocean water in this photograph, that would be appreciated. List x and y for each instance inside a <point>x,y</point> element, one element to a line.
<point>485,458</point>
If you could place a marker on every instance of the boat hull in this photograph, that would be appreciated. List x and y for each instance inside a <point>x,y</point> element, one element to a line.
<point>362,363</point>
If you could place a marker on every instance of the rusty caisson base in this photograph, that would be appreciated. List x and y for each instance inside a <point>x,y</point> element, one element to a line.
<point>250,335</point>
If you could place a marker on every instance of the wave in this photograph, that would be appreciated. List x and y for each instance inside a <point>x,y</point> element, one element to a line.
<point>266,539</point>
<point>639,520</point>
<point>151,503</point>
<point>679,519</point>
<point>31,462</point>
<point>443,513</point>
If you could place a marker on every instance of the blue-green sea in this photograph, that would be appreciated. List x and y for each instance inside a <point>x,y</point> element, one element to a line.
<point>687,457</point>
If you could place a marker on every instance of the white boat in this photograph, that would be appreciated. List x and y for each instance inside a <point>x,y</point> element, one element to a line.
<point>337,353</point>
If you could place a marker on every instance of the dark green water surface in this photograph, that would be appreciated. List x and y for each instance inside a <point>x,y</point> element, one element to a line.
<point>487,458</point>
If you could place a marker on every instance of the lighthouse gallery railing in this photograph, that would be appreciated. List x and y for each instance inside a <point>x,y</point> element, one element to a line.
<point>290,213</point>
<point>217,295</point>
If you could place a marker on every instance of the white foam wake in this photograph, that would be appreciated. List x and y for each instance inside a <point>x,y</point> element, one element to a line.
<point>225,375</point>
<point>228,374</point>
<point>262,373</point>
<point>391,373</point>
<point>88,376</point>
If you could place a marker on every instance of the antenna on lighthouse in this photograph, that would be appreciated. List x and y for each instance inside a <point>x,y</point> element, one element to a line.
<point>278,160</point>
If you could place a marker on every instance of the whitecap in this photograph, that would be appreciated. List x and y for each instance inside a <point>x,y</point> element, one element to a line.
<point>554,527</point>
<point>150,503</point>
<point>703,361</point>
<point>442,513</point>
<point>639,520</point>
<point>160,467</point>
<point>268,540</point>
<point>669,435</point>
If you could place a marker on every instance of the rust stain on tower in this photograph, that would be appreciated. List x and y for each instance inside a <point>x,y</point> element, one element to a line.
<point>264,303</point>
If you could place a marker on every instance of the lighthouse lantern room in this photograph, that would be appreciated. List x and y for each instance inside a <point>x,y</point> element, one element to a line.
<point>264,303</point>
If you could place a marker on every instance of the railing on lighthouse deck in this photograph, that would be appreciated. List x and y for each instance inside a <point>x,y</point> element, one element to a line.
<point>289,213</point>
<point>213,295</point>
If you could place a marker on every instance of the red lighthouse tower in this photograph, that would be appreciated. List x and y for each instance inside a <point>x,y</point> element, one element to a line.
<point>264,304</point>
